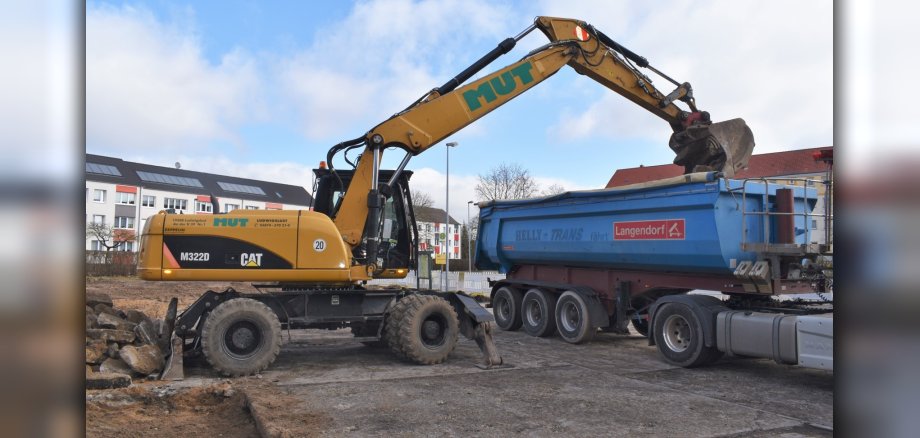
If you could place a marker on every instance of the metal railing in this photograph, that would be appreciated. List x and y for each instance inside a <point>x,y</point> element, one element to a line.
<point>826,216</point>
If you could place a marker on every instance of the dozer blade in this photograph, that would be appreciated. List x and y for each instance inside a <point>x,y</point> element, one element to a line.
<point>723,147</point>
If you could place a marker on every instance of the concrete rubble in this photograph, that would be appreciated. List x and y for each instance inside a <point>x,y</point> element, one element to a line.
<point>120,344</point>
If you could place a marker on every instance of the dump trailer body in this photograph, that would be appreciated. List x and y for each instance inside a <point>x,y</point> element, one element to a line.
<point>688,224</point>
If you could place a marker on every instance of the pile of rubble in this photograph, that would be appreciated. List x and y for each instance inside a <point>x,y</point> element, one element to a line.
<point>121,345</point>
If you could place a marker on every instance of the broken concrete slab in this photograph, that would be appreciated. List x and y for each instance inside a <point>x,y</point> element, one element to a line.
<point>95,351</point>
<point>112,350</point>
<point>136,316</point>
<point>111,335</point>
<point>114,365</point>
<point>107,381</point>
<point>104,308</point>
<point>105,320</point>
<point>91,320</point>
<point>94,298</point>
<point>146,332</point>
<point>145,360</point>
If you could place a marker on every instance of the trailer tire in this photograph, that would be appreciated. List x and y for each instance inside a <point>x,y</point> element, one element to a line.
<point>506,307</point>
<point>640,324</point>
<point>422,329</point>
<point>538,313</point>
<point>241,337</point>
<point>573,318</point>
<point>679,336</point>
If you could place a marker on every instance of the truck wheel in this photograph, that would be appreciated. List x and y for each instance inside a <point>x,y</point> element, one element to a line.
<point>573,319</point>
<point>538,313</point>
<point>506,306</point>
<point>241,337</point>
<point>422,329</point>
<point>679,336</point>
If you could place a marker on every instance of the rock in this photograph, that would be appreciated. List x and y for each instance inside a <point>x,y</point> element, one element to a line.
<point>136,316</point>
<point>110,335</point>
<point>104,308</point>
<point>112,350</point>
<point>107,381</point>
<point>90,320</point>
<point>95,351</point>
<point>145,360</point>
<point>114,365</point>
<point>89,370</point>
<point>146,332</point>
<point>89,310</point>
<point>94,298</point>
<point>109,321</point>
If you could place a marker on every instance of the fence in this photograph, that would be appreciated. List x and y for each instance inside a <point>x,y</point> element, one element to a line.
<point>471,282</point>
<point>111,263</point>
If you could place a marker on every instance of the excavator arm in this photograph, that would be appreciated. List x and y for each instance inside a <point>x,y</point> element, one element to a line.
<point>699,144</point>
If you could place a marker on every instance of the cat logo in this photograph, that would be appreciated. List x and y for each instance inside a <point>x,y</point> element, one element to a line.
<point>251,260</point>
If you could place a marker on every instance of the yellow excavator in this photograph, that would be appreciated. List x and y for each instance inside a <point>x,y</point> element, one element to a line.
<point>311,267</point>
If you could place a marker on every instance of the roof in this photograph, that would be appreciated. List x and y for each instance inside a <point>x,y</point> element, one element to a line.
<point>797,162</point>
<point>100,168</point>
<point>431,214</point>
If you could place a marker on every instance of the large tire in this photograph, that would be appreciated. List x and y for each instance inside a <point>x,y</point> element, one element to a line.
<point>573,319</point>
<point>506,307</point>
<point>679,337</point>
<point>422,329</point>
<point>538,313</point>
<point>241,337</point>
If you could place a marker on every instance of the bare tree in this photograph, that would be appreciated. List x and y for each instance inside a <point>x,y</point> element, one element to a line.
<point>553,189</point>
<point>110,238</point>
<point>507,181</point>
<point>421,199</point>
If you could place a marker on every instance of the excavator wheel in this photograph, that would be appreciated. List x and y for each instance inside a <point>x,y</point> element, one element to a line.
<point>422,329</point>
<point>241,337</point>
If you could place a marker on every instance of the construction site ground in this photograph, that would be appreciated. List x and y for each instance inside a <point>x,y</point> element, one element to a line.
<point>324,383</point>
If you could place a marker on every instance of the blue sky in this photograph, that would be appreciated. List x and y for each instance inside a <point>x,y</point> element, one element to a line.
<point>263,89</point>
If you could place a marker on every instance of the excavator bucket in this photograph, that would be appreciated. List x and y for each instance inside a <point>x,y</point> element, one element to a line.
<point>723,147</point>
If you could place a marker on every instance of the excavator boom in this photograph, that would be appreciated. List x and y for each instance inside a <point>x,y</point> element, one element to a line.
<point>699,144</point>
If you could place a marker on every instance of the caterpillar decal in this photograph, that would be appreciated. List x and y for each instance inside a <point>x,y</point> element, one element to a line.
<point>215,252</point>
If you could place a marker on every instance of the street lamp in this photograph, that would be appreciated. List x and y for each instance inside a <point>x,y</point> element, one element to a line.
<point>469,237</point>
<point>447,218</point>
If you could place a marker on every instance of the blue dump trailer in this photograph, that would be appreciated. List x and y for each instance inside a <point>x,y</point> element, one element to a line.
<point>585,261</point>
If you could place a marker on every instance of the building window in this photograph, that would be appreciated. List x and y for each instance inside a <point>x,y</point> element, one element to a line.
<point>148,201</point>
<point>124,222</point>
<point>230,207</point>
<point>99,219</point>
<point>203,207</point>
<point>175,204</point>
<point>124,246</point>
<point>96,245</point>
<point>252,207</point>
<point>125,198</point>
<point>98,195</point>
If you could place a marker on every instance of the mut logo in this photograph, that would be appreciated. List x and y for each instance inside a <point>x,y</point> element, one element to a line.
<point>498,86</point>
<point>251,259</point>
<point>230,222</point>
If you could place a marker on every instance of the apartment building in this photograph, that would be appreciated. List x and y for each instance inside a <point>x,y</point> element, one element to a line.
<point>123,194</point>
<point>436,235</point>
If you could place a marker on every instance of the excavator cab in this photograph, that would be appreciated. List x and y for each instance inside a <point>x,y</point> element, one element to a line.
<point>396,250</point>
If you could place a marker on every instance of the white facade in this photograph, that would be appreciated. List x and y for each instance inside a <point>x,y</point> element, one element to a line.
<point>430,239</point>
<point>114,205</point>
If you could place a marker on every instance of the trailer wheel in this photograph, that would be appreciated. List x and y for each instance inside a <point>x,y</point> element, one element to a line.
<point>240,337</point>
<point>422,329</point>
<point>640,324</point>
<point>538,313</point>
<point>679,337</point>
<point>506,306</point>
<point>573,319</point>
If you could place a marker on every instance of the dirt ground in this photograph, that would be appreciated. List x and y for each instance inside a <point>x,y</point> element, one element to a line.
<point>327,384</point>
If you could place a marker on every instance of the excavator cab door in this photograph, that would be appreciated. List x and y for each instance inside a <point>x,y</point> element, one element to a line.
<point>397,237</point>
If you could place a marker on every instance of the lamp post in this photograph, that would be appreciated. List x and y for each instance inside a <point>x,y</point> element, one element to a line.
<point>469,237</point>
<point>447,218</point>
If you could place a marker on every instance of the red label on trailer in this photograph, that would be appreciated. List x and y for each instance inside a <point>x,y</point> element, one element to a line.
<point>664,229</point>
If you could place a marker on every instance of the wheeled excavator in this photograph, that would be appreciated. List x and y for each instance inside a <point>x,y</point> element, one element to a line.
<point>311,268</point>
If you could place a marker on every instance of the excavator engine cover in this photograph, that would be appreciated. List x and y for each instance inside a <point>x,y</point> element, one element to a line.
<point>723,147</point>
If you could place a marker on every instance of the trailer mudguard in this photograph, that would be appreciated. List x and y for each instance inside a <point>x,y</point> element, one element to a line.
<point>705,307</point>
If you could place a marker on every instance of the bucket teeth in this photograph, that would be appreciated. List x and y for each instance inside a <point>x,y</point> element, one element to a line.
<point>722,147</point>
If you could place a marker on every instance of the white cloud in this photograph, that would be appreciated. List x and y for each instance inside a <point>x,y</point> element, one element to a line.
<point>148,85</point>
<point>380,59</point>
<point>769,63</point>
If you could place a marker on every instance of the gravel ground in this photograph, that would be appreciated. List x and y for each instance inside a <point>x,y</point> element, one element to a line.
<point>326,384</point>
